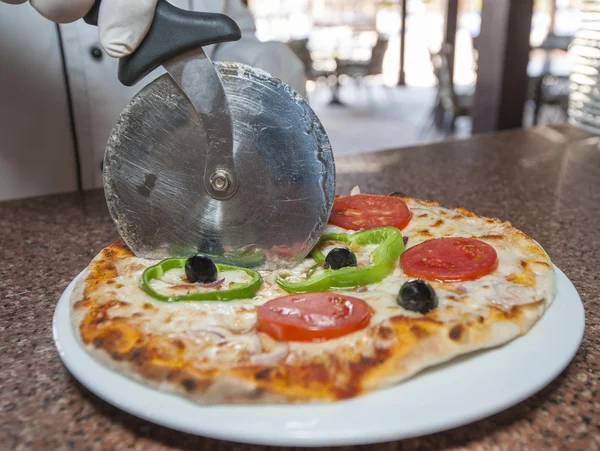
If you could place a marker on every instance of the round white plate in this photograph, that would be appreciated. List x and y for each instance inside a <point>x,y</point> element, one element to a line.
<point>447,396</point>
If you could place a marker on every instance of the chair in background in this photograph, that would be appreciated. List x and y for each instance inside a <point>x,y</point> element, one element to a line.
<point>448,102</point>
<point>361,69</point>
<point>300,48</point>
<point>549,88</point>
<point>556,42</point>
<point>550,91</point>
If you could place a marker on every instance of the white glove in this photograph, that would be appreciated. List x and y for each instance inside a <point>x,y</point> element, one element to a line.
<point>122,24</point>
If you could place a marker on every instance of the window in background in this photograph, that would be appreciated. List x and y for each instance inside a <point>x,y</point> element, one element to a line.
<point>347,29</point>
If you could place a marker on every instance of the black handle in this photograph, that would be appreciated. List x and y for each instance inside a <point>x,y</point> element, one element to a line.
<point>173,31</point>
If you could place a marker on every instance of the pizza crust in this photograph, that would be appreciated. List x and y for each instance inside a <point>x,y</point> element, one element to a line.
<point>110,316</point>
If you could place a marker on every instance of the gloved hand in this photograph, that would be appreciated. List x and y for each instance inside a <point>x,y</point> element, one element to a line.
<point>122,24</point>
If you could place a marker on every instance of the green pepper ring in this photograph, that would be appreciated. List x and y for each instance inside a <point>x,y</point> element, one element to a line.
<point>247,290</point>
<point>382,259</point>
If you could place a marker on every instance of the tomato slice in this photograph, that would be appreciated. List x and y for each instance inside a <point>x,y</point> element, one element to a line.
<point>367,211</point>
<point>313,316</point>
<point>449,259</point>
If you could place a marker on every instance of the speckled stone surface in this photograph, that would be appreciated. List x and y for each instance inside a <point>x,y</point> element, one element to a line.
<point>544,181</point>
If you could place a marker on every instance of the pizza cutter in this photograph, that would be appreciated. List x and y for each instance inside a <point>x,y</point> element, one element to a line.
<point>222,158</point>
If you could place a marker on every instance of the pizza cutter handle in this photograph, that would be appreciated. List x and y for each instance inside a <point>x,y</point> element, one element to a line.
<point>173,32</point>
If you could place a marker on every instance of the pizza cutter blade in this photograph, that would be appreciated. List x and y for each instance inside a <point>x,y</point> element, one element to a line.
<point>223,159</point>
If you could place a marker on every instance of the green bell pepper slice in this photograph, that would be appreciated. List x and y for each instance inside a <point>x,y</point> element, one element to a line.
<point>382,261</point>
<point>238,291</point>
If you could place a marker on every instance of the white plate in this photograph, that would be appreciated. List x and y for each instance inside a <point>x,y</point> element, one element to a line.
<point>450,395</point>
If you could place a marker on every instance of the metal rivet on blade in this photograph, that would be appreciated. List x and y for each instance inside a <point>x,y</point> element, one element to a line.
<point>220,181</point>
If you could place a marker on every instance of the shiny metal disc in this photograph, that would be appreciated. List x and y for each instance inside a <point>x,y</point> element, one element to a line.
<point>154,166</point>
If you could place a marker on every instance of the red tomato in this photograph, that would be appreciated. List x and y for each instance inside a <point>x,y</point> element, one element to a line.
<point>449,259</point>
<point>313,316</point>
<point>367,211</point>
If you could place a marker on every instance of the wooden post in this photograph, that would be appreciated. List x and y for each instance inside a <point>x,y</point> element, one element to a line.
<point>502,80</point>
<point>450,21</point>
<point>552,17</point>
<point>401,77</point>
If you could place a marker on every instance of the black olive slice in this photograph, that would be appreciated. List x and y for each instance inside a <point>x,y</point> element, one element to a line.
<point>417,296</point>
<point>200,268</point>
<point>340,257</point>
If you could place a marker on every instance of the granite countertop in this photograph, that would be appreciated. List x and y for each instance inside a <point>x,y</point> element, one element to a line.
<point>545,181</point>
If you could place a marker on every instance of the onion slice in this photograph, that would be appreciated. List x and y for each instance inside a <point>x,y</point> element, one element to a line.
<point>214,330</point>
<point>275,351</point>
<point>214,284</point>
<point>462,289</point>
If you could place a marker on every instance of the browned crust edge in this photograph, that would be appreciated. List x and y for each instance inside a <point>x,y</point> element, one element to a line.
<point>414,344</point>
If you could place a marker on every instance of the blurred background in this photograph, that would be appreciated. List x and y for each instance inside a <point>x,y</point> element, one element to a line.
<point>379,74</point>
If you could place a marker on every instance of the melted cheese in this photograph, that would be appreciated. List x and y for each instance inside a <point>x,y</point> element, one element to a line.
<point>225,331</point>
<point>174,282</point>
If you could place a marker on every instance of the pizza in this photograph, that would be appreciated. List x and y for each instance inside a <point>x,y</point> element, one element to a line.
<point>395,285</point>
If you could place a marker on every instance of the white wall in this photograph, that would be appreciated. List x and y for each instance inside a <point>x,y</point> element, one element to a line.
<point>36,152</point>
